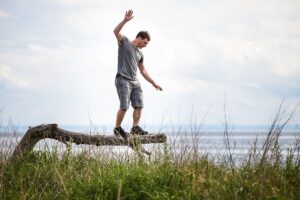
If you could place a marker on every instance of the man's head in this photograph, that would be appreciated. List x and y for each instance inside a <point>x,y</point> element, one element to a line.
<point>142,39</point>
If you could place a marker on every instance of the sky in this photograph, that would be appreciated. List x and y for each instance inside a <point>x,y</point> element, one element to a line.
<point>58,60</point>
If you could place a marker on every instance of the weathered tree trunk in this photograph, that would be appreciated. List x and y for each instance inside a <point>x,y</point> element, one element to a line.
<point>51,131</point>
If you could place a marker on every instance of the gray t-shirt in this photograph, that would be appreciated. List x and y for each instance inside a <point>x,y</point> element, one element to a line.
<point>129,57</point>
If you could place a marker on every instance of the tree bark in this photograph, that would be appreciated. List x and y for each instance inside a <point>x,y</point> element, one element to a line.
<point>51,131</point>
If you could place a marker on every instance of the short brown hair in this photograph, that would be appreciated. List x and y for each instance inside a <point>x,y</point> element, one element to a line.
<point>143,35</point>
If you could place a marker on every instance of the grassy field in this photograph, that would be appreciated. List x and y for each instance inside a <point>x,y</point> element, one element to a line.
<point>65,175</point>
<point>264,173</point>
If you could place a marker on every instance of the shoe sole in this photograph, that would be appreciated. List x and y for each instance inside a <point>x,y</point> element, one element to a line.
<point>138,134</point>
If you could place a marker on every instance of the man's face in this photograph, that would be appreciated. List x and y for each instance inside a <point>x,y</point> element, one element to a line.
<point>143,43</point>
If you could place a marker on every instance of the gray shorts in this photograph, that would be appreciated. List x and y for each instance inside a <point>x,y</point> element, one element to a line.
<point>129,90</point>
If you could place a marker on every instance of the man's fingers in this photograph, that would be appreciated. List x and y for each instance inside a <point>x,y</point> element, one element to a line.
<point>128,15</point>
<point>129,12</point>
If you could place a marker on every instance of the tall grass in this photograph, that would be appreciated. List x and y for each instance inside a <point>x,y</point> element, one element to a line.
<point>170,173</point>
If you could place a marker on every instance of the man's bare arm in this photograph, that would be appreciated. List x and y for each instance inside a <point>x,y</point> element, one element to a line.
<point>117,30</point>
<point>147,76</point>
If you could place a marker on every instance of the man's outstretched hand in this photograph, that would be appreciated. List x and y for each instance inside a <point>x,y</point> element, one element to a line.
<point>128,15</point>
<point>157,87</point>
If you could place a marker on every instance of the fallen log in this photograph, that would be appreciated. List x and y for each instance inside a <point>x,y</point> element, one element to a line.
<point>51,131</point>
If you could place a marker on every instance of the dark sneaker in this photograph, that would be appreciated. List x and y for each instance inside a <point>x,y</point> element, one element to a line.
<point>136,130</point>
<point>120,132</point>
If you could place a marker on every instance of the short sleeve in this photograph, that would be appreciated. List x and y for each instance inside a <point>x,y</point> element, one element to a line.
<point>122,40</point>
<point>142,58</point>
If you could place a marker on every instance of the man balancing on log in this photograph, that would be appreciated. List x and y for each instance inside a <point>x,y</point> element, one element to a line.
<point>130,58</point>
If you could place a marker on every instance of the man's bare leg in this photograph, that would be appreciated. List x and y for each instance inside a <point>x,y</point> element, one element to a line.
<point>120,116</point>
<point>136,129</point>
<point>137,116</point>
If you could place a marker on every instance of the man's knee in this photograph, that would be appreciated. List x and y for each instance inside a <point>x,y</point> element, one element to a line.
<point>122,110</point>
<point>138,108</point>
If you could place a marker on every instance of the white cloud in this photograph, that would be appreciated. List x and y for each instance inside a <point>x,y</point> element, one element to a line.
<point>4,14</point>
<point>78,2</point>
<point>89,20</point>
<point>11,78</point>
<point>252,84</point>
<point>199,50</point>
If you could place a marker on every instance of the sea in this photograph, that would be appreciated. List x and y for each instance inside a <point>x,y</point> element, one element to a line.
<point>214,141</point>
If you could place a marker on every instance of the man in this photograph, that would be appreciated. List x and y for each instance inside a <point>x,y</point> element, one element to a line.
<point>130,58</point>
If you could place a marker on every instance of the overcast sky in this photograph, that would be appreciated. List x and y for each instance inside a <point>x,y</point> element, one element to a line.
<point>58,60</point>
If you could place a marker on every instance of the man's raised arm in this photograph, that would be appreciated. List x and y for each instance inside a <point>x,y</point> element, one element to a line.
<point>117,30</point>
